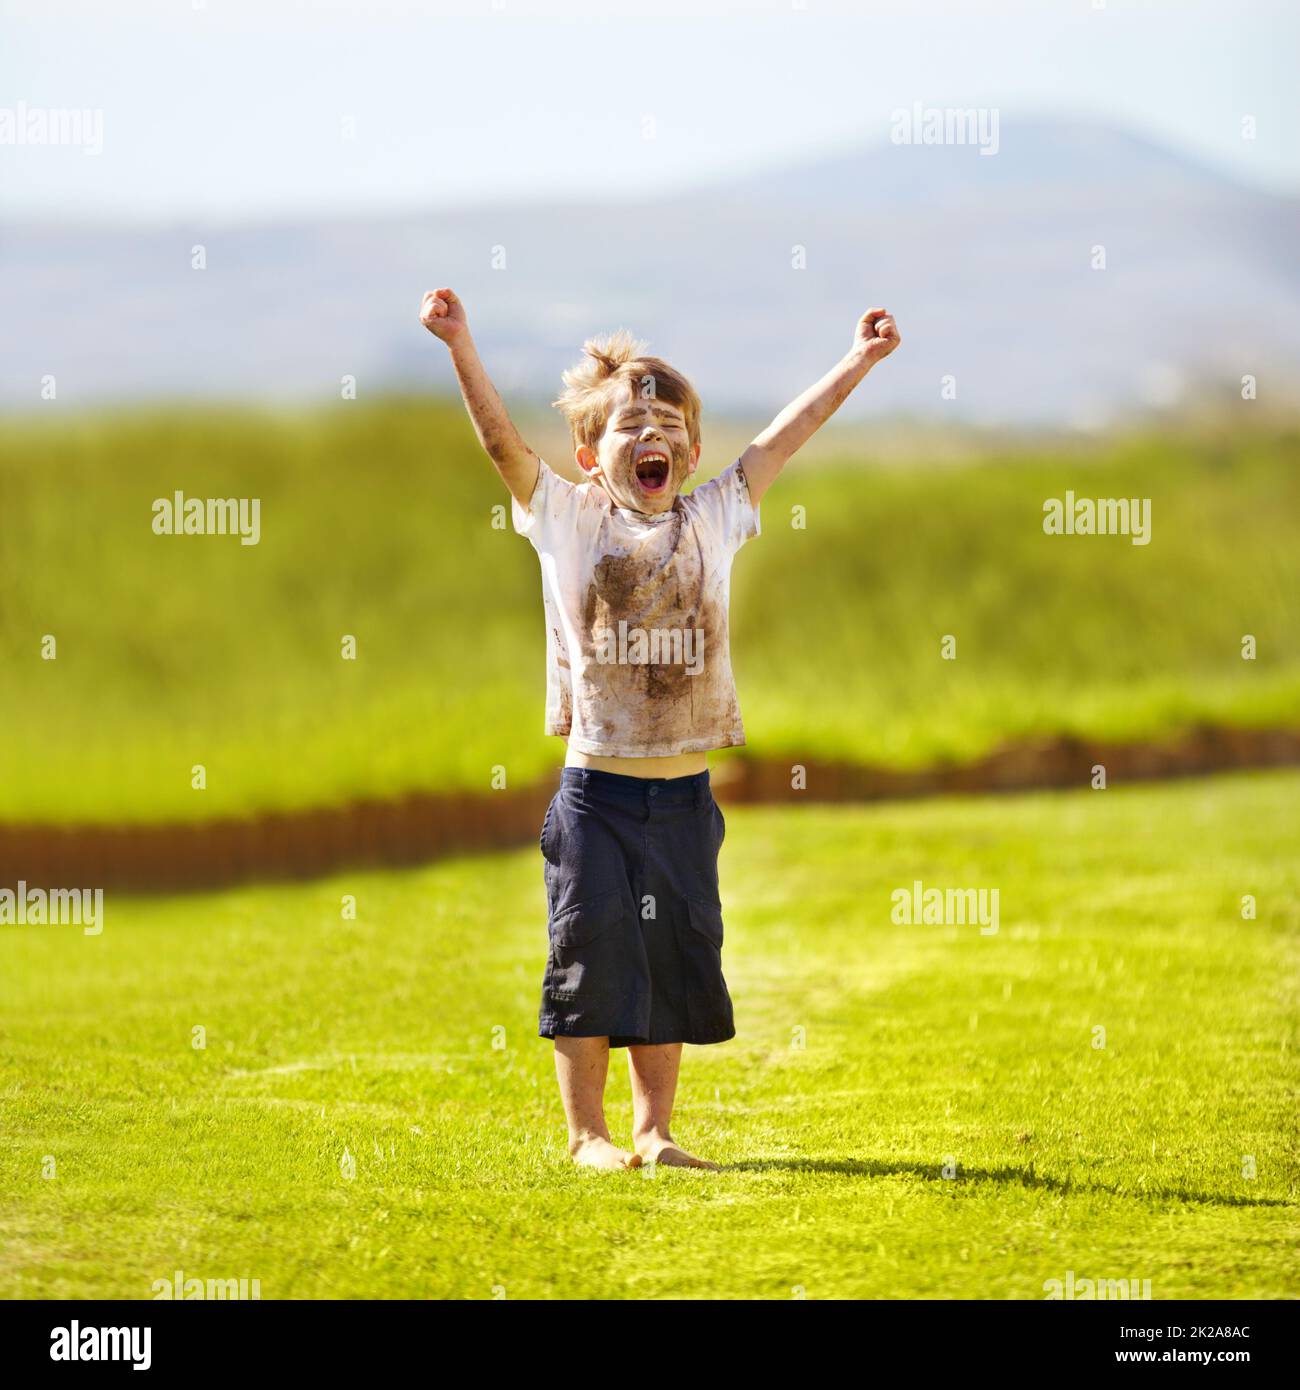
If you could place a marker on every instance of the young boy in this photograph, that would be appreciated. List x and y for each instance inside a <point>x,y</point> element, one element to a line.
<point>635,583</point>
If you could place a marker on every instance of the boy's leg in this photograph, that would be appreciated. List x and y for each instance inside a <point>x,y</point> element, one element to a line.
<point>654,1087</point>
<point>582,1065</point>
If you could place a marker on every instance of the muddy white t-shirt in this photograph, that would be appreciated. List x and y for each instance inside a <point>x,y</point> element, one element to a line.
<point>638,663</point>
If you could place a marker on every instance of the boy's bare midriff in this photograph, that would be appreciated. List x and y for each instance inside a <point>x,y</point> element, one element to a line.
<point>677,765</point>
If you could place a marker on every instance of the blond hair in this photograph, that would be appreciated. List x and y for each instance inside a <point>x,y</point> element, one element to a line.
<point>591,384</point>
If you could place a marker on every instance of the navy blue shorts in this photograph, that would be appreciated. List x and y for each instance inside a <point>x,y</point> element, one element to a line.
<point>634,919</point>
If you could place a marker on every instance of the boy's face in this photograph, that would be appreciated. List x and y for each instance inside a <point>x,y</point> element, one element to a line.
<point>644,456</point>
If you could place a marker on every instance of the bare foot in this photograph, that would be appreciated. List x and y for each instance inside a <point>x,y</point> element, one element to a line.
<point>597,1151</point>
<point>660,1148</point>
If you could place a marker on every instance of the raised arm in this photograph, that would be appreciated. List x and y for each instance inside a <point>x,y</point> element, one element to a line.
<point>875,338</point>
<point>442,313</point>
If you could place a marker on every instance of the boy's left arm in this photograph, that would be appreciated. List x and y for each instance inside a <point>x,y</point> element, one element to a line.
<point>875,338</point>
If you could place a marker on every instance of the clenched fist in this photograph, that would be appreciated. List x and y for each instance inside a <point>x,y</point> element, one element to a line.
<point>876,335</point>
<point>442,313</point>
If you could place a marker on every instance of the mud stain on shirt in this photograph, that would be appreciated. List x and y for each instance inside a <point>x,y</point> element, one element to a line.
<point>638,660</point>
<point>672,683</point>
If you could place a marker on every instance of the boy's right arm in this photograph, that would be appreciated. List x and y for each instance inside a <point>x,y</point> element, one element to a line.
<point>443,315</point>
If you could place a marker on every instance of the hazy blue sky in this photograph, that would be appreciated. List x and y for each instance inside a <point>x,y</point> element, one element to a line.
<point>236,108</point>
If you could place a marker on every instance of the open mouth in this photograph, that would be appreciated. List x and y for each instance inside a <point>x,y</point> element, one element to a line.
<point>652,471</point>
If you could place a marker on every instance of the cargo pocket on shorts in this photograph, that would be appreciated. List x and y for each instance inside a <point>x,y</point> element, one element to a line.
<point>584,943</point>
<point>706,921</point>
<point>707,997</point>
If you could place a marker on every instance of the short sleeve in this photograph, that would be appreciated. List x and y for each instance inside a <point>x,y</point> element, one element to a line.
<point>552,498</point>
<point>725,506</point>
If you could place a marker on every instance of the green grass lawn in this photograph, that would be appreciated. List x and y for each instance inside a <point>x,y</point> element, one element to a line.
<point>377,521</point>
<point>373,1040</point>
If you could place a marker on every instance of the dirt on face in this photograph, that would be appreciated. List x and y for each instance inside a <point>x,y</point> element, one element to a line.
<point>618,458</point>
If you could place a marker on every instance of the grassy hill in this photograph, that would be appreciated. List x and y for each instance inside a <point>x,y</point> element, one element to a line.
<point>377,521</point>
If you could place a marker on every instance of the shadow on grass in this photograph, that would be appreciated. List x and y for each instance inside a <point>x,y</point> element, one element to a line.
<point>1022,1177</point>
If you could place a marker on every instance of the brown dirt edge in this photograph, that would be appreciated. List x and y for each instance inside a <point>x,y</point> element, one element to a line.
<point>172,857</point>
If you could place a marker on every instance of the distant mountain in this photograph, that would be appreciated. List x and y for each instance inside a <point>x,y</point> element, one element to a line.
<point>986,260</point>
